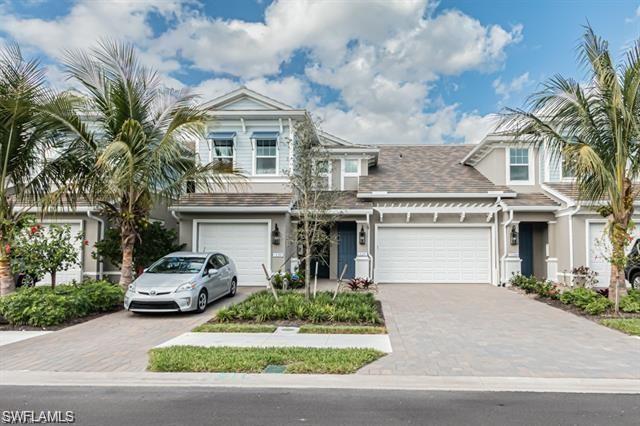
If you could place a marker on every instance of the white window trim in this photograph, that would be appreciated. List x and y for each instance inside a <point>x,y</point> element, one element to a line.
<point>254,143</point>
<point>532,171</point>
<point>212,150</point>
<point>563,178</point>
<point>344,173</point>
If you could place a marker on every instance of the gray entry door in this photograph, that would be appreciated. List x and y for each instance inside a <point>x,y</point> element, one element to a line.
<point>347,249</point>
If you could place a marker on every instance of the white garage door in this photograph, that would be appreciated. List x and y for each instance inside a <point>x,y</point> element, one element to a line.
<point>433,255</point>
<point>600,251</point>
<point>75,273</point>
<point>246,243</point>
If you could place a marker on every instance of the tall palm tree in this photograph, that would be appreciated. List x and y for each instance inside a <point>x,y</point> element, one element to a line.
<point>129,139</point>
<point>27,139</point>
<point>596,128</point>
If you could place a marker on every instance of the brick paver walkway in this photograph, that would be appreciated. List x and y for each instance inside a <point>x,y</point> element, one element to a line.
<point>114,342</point>
<point>481,330</point>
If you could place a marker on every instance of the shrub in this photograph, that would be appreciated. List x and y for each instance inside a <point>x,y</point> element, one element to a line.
<point>357,308</point>
<point>532,285</point>
<point>631,302</point>
<point>586,299</point>
<point>46,306</point>
<point>294,280</point>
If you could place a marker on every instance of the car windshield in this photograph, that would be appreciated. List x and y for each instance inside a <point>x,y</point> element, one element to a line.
<point>177,265</point>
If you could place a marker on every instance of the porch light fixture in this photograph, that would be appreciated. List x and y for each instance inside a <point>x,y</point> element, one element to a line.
<point>514,235</point>
<point>275,236</point>
<point>362,237</point>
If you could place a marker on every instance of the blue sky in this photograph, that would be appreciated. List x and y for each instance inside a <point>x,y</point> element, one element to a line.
<point>373,72</point>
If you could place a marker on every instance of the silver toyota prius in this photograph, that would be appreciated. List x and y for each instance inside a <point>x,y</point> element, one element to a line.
<point>181,282</point>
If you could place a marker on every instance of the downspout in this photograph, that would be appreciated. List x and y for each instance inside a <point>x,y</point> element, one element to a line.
<point>100,238</point>
<point>506,224</point>
<point>497,239</point>
<point>369,246</point>
<point>175,216</point>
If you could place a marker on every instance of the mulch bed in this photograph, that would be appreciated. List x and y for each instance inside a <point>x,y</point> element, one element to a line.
<point>4,326</point>
<point>573,309</point>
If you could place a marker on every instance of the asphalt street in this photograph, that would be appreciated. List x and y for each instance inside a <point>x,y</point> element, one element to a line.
<point>227,406</point>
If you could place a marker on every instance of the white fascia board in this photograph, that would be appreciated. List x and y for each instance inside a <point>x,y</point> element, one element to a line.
<point>239,209</point>
<point>436,209</point>
<point>82,209</point>
<point>383,194</point>
<point>532,208</point>
<point>341,211</point>
<point>256,113</point>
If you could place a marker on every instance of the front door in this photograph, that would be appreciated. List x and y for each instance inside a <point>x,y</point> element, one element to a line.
<point>347,249</point>
<point>526,248</point>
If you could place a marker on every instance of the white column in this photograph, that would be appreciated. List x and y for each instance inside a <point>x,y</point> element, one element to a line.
<point>552,259</point>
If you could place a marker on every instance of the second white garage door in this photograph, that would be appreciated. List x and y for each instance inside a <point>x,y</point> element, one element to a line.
<point>600,250</point>
<point>433,255</point>
<point>247,243</point>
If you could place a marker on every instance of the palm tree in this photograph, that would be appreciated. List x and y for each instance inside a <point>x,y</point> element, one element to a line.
<point>595,127</point>
<point>27,139</point>
<point>129,140</point>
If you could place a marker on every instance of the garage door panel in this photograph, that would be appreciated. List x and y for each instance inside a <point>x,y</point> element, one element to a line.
<point>433,254</point>
<point>246,243</point>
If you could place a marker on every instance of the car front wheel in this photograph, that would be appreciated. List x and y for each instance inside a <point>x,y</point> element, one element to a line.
<point>202,301</point>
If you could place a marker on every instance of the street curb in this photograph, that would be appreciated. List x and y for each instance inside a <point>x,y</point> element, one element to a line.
<point>314,381</point>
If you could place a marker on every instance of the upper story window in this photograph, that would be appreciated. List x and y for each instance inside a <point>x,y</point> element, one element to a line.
<point>223,151</point>
<point>567,171</point>
<point>222,148</point>
<point>352,167</point>
<point>266,156</point>
<point>520,170</point>
<point>323,168</point>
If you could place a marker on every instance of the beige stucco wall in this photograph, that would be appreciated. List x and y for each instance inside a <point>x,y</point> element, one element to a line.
<point>493,166</point>
<point>282,220</point>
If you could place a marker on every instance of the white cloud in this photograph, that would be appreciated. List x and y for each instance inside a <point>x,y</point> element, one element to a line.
<point>472,128</point>
<point>289,90</point>
<point>382,57</point>
<point>506,89</point>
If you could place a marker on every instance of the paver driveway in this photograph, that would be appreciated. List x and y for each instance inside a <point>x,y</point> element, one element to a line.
<point>482,330</point>
<point>114,342</point>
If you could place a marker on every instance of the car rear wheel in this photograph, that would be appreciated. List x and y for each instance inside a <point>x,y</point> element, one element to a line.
<point>635,280</point>
<point>233,288</point>
<point>202,301</point>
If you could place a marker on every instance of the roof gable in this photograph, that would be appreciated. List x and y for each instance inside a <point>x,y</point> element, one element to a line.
<point>244,99</point>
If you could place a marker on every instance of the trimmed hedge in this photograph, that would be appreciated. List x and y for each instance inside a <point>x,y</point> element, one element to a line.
<point>43,306</point>
<point>631,302</point>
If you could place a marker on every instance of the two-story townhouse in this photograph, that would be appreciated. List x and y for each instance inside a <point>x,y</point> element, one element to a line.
<point>405,213</point>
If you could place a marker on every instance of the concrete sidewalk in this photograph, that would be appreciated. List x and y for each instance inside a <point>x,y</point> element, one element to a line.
<point>328,381</point>
<point>263,340</point>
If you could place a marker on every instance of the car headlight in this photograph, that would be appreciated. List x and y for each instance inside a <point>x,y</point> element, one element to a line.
<point>186,287</point>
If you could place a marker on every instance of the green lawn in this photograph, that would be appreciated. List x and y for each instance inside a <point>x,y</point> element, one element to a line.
<point>347,308</point>
<point>341,329</point>
<point>255,360</point>
<point>626,325</point>
<point>234,328</point>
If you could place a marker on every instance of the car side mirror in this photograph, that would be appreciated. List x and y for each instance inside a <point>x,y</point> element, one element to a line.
<point>212,271</point>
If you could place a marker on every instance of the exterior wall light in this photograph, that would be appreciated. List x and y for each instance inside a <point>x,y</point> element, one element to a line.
<point>275,236</point>
<point>362,236</point>
<point>514,235</point>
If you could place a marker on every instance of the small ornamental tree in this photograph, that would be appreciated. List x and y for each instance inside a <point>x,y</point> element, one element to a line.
<point>313,198</point>
<point>155,241</point>
<point>41,250</point>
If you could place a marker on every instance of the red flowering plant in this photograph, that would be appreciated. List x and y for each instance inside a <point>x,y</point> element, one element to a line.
<point>360,283</point>
<point>40,250</point>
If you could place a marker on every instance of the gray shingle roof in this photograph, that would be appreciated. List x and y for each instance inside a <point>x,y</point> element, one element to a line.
<point>426,169</point>
<point>236,200</point>
<point>571,190</point>
<point>534,199</point>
